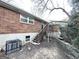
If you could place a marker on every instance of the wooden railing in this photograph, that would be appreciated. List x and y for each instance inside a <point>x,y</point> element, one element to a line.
<point>39,36</point>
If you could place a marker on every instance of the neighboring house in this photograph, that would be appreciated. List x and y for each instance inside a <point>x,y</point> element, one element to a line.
<point>54,30</point>
<point>18,24</point>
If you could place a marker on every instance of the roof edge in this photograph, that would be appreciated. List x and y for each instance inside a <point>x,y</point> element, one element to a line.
<point>16,9</point>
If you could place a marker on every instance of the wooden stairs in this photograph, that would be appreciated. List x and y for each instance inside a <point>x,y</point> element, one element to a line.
<point>42,33</point>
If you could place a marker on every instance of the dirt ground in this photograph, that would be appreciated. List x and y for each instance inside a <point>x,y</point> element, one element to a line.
<point>3,56</point>
<point>43,51</point>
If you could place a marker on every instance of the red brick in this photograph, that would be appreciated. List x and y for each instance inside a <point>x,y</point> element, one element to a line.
<point>10,23</point>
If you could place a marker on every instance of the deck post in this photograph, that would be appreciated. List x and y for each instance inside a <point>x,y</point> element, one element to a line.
<point>48,33</point>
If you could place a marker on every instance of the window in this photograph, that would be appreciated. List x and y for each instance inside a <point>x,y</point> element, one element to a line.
<point>27,38</point>
<point>14,45</point>
<point>31,21</point>
<point>9,47</point>
<point>27,20</point>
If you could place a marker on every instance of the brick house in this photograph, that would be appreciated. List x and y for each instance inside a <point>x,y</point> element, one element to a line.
<point>18,24</point>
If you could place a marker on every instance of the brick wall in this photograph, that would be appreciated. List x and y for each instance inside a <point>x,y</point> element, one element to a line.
<point>10,23</point>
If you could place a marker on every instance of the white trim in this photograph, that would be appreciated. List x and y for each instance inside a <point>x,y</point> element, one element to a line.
<point>27,20</point>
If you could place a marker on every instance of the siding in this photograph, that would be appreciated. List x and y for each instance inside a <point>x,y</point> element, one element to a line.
<point>10,23</point>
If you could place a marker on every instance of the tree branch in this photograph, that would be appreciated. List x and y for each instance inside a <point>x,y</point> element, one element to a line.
<point>48,8</point>
<point>52,3</point>
<point>40,2</point>
<point>45,5</point>
<point>62,10</point>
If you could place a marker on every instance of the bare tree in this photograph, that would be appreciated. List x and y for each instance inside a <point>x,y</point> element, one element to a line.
<point>45,6</point>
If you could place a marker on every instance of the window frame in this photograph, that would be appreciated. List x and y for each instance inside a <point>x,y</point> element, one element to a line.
<point>27,39</point>
<point>28,20</point>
